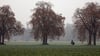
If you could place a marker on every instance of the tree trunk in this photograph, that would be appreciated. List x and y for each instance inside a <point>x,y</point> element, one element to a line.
<point>94,39</point>
<point>2,39</point>
<point>89,40</point>
<point>45,40</point>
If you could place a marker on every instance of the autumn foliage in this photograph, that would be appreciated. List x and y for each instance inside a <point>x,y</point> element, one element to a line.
<point>46,23</point>
<point>8,24</point>
<point>87,21</point>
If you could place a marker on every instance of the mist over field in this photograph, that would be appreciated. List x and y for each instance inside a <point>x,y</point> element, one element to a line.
<point>24,15</point>
<point>49,27</point>
<point>27,36</point>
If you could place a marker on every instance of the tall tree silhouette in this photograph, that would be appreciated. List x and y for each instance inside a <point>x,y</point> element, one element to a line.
<point>8,23</point>
<point>88,19</point>
<point>46,23</point>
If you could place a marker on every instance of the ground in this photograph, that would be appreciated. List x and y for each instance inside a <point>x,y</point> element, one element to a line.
<point>49,50</point>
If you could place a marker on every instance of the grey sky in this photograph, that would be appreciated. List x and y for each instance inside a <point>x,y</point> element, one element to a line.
<point>22,8</point>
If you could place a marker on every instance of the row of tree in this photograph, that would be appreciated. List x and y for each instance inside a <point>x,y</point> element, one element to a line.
<point>87,22</point>
<point>46,24</point>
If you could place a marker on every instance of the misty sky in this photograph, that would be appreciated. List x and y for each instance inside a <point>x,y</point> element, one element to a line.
<point>22,8</point>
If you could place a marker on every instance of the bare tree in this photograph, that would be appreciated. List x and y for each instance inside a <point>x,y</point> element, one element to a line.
<point>46,23</point>
<point>8,23</point>
<point>88,19</point>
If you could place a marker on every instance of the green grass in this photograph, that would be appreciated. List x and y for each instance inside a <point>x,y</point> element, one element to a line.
<point>50,50</point>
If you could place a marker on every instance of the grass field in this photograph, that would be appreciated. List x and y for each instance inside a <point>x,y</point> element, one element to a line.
<point>50,50</point>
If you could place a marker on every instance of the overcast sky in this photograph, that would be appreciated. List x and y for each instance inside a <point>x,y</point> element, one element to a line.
<point>22,8</point>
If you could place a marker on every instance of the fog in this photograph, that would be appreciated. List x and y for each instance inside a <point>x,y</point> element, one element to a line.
<point>70,34</point>
<point>22,9</point>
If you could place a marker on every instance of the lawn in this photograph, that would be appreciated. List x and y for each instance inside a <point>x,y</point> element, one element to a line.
<point>50,50</point>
